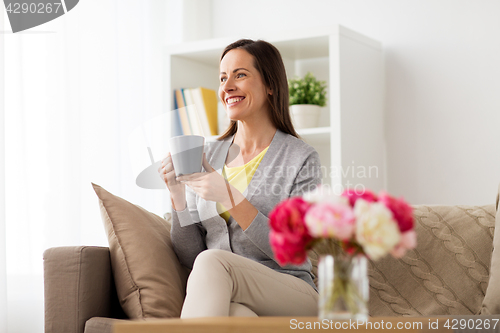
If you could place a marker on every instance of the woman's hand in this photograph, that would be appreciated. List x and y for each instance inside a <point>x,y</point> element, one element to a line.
<point>210,185</point>
<point>176,188</point>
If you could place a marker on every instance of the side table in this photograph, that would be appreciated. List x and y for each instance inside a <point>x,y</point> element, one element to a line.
<point>281,325</point>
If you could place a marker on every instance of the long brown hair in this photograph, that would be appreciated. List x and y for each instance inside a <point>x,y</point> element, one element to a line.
<point>267,60</point>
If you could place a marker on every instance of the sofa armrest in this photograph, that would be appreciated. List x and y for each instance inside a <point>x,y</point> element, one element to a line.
<point>78,286</point>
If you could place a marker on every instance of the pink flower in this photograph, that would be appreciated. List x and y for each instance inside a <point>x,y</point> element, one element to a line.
<point>408,241</point>
<point>402,212</point>
<point>327,220</point>
<point>354,195</point>
<point>289,235</point>
<point>286,250</point>
<point>288,218</point>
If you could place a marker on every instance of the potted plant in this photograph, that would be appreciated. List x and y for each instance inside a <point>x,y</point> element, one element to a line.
<point>307,96</point>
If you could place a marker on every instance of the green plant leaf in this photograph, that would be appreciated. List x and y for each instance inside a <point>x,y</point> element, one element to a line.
<point>307,90</point>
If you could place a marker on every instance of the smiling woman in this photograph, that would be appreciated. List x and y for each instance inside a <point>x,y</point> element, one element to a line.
<point>261,63</point>
<point>220,223</point>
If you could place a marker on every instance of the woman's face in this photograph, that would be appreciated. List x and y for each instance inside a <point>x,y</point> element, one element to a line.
<point>242,90</point>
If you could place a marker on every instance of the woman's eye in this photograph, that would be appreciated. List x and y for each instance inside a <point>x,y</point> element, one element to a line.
<point>238,76</point>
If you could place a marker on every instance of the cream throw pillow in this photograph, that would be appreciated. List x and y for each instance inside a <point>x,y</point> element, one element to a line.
<point>447,274</point>
<point>491,303</point>
<point>149,279</point>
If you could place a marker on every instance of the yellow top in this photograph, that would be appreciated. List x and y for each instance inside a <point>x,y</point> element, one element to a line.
<point>240,177</point>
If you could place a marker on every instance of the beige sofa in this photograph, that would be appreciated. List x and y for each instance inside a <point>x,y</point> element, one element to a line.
<point>447,274</point>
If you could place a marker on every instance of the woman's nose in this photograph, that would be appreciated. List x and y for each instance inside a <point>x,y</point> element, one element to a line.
<point>228,85</point>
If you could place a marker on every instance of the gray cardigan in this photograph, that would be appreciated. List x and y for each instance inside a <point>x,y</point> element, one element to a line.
<point>289,168</point>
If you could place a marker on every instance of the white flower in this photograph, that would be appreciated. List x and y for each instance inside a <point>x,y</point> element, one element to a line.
<point>376,230</point>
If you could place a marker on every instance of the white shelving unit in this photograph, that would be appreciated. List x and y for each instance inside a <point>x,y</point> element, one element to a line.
<point>350,140</point>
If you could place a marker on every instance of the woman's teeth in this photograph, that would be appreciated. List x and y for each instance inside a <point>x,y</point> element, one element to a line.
<point>234,100</point>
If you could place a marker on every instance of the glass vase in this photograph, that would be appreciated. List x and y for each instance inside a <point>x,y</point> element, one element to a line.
<point>343,287</point>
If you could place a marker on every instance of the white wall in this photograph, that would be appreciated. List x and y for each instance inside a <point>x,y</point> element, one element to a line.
<point>442,79</point>
<point>76,89</point>
<point>3,276</point>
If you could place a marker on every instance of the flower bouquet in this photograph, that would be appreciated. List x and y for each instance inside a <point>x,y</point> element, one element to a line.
<point>344,230</point>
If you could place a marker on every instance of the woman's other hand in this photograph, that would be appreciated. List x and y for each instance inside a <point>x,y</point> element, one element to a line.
<point>176,188</point>
<point>210,185</point>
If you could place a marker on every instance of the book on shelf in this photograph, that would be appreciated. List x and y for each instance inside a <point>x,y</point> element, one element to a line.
<point>222,121</point>
<point>176,119</point>
<point>206,102</point>
<point>200,110</point>
<point>197,110</point>
<point>181,109</point>
<point>194,118</point>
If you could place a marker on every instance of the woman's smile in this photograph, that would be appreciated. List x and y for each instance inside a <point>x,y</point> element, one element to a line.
<point>234,100</point>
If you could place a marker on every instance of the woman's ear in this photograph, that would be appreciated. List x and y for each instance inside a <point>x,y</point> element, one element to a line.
<point>269,91</point>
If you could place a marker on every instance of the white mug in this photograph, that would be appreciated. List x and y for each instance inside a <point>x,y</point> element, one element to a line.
<point>187,153</point>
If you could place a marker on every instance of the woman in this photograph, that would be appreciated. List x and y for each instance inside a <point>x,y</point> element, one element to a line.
<point>220,227</point>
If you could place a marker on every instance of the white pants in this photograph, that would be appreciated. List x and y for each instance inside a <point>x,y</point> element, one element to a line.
<point>226,284</point>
